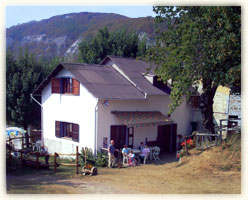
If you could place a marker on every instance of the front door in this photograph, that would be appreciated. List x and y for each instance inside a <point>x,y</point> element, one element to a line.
<point>167,135</point>
<point>119,135</point>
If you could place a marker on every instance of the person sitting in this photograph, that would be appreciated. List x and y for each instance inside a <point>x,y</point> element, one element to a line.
<point>132,160</point>
<point>141,147</point>
<point>144,154</point>
<point>44,152</point>
<point>125,154</point>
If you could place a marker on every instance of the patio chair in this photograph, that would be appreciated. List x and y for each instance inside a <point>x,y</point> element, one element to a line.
<point>156,152</point>
<point>125,159</point>
<point>37,145</point>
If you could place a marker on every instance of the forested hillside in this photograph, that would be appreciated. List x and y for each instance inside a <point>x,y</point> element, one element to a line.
<point>60,35</point>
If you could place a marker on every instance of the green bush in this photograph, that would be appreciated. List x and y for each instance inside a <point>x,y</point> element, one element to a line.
<point>101,160</point>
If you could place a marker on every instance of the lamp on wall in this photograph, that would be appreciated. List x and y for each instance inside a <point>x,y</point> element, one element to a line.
<point>106,103</point>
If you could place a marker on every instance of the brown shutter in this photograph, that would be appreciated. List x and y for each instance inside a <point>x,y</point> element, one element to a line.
<point>75,132</point>
<point>55,85</point>
<point>57,129</point>
<point>75,87</point>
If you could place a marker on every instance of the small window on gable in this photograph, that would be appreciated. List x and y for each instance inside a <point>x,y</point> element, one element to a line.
<point>158,83</point>
<point>161,84</point>
<point>65,86</point>
<point>67,130</point>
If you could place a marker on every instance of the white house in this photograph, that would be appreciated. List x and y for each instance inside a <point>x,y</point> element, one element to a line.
<point>87,105</point>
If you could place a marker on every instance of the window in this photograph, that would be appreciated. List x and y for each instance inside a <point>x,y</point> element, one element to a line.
<point>161,85</point>
<point>67,130</point>
<point>65,86</point>
<point>130,137</point>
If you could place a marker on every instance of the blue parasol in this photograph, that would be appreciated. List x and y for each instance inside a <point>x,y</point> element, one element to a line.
<point>15,131</point>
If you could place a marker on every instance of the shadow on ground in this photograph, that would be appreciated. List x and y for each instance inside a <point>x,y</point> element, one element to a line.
<point>164,159</point>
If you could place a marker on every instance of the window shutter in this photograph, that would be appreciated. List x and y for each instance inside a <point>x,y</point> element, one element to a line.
<point>57,129</point>
<point>62,129</point>
<point>75,87</point>
<point>55,85</point>
<point>61,86</point>
<point>75,132</point>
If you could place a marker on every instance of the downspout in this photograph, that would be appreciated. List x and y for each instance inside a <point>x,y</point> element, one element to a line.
<point>42,139</point>
<point>96,122</point>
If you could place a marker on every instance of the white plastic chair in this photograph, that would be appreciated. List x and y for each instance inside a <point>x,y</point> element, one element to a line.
<point>125,158</point>
<point>37,145</point>
<point>156,152</point>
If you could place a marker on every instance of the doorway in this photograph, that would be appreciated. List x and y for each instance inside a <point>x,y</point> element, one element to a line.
<point>118,133</point>
<point>167,135</point>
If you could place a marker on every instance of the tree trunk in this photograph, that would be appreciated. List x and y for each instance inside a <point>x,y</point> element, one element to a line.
<point>207,108</point>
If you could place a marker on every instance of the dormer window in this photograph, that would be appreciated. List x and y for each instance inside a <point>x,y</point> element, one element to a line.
<point>65,86</point>
<point>161,84</point>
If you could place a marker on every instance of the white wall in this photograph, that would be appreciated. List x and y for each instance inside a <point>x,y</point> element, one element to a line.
<point>182,116</point>
<point>68,108</point>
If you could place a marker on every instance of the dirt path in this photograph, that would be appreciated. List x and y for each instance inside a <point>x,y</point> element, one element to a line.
<point>202,173</point>
<point>51,184</point>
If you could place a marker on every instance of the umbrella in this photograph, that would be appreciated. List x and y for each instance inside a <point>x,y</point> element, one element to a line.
<point>15,131</point>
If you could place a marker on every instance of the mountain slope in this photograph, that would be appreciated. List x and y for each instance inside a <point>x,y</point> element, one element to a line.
<point>60,35</point>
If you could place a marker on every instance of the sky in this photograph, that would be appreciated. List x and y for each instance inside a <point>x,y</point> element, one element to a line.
<point>22,14</point>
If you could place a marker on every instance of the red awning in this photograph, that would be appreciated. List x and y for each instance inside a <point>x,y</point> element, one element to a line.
<point>142,119</point>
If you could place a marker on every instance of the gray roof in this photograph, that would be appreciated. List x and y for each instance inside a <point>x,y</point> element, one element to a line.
<point>135,69</point>
<point>102,81</point>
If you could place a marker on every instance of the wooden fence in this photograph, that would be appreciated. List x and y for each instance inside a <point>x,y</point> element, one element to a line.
<point>202,140</point>
<point>37,162</point>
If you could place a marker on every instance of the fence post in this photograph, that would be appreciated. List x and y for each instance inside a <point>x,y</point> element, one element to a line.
<point>207,141</point>
<point>55,164</point>
<point>77,159</point>
<point>37,160</point>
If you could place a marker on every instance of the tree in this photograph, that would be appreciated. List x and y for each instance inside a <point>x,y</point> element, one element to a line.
<point>120,43</point>
<point>202,45</point>
<point>22,77</point>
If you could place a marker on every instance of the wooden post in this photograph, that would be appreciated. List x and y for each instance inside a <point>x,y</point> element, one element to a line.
<point>186,149</point>
<point>22,143</point>
<point>77,159</point>
<point>55,163</point>
<point>196,141</point>
<point>37,160</point>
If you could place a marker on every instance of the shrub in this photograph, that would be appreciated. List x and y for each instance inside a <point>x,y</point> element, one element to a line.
<point>101,160</point>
